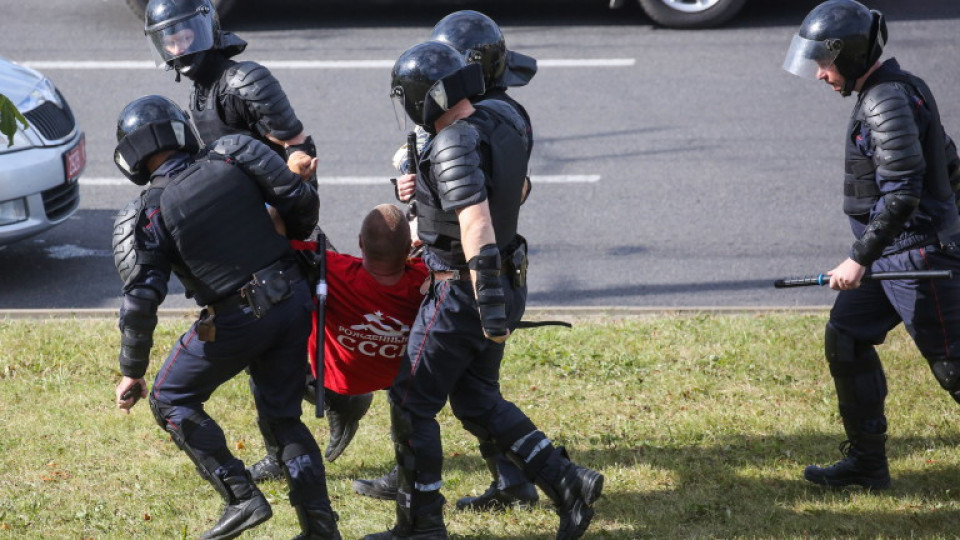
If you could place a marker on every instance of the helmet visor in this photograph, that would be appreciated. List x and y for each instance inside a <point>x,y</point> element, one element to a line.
<point>806,57</point>
<point>181,38</point>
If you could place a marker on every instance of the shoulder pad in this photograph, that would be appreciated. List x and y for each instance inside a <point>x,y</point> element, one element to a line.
<point>254,157</point>
<point>264,96</point>
<point>893,130</point>
<point>455,164</point>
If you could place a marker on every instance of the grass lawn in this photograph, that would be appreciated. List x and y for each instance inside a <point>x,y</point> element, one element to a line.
<point>701,424</point>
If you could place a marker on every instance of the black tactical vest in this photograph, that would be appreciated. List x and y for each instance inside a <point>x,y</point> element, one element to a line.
<point>206,109</point>
<point>217,219</point>
<point>860,188</point>
<point>504,155</point>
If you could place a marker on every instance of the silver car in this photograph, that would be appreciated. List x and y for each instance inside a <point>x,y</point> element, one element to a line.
<point>40,170</point>
<point>669,13</point>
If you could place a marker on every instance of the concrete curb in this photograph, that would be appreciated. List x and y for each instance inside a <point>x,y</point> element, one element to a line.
<point>532,313</point>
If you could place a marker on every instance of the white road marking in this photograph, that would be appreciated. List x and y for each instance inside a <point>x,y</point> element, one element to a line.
<point>310,64</point>
<point>374,180</point>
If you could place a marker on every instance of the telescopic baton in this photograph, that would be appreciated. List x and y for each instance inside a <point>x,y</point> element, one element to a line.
<point>318,389</point>
<point>824,279</point>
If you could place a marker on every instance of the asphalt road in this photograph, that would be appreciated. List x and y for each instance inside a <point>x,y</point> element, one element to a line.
<point>677,168</point>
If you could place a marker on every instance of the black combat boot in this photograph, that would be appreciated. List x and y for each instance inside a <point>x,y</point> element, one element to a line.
<point>573,491</point>
<point>494,498</point>
<point>384,487</point>
<point>428,526</point>
<point>267,468</point>
<point>864,464</point>
<point>520,495</point>
<point>245,508</point>
<point>317,524</point>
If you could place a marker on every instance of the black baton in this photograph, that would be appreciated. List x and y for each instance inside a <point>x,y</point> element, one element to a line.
<point>824,279</point>
<point>318,389</point>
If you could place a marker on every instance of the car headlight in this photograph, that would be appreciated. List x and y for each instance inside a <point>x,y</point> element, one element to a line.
<point>13,211</point>
<point>44,91</point>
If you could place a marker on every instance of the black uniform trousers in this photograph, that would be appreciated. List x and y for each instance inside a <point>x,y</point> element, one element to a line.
<point>929,309</point>
<point>273,347</point>
<point>448,356</point>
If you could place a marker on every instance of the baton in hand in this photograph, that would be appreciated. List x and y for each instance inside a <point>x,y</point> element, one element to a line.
<point>318,389</point>
<point>824,279</point>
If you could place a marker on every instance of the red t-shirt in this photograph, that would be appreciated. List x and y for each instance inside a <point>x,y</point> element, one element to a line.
<point>367,324</point>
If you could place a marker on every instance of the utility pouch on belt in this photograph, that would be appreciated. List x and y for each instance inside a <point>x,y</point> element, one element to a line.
<point>206,330</point>
<point>268,287</point>
<point>517,263</point>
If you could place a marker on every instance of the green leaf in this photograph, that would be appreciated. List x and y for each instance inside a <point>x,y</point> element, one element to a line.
<point>9,115</point>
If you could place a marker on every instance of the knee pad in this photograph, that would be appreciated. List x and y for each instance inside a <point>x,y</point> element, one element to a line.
<point>947,373</point>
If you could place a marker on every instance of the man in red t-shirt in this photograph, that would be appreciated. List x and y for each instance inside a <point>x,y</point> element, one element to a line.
<point>370,305</point>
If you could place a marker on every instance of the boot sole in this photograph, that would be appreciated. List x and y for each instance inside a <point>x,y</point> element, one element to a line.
<point>593,490</point>
<point>259,516</point>
<point>370,491</point>
<point>495,506</point>
<point>865,483</point>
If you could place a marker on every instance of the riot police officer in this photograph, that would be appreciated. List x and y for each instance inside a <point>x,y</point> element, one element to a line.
<point>903,212</point>
<point>468,191</point>
<point>202,216</point>
<point>480,40</point>
<point>227,97</point>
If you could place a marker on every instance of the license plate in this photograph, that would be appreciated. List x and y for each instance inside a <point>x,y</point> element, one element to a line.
<point>75,159</point>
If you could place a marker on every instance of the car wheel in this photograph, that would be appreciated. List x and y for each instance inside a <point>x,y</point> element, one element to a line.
<point>138,7</point>
<point>691,13</point>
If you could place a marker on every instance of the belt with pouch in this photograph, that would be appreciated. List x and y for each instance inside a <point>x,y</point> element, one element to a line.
<point>285,269</point>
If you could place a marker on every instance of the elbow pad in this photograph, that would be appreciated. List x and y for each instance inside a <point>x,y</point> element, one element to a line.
<point>138,319</point>
<point>261,91</point>
<point>884,227</point>
<point>490,298</point>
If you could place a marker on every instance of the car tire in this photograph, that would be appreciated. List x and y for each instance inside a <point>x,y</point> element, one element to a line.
<point>691,13</point>
<point>138,7</point>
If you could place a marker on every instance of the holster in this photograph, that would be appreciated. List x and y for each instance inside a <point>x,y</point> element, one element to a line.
<point>515,262</point>
<point>270,286</point>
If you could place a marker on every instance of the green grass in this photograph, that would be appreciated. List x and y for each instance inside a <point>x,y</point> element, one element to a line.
<point>701,424</point>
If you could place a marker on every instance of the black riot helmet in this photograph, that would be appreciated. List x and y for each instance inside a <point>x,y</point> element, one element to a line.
<point>844,33</point>
<point>429,78</point>
<point>148,125</point>
<point>180,32</point>
<point>478,38</point>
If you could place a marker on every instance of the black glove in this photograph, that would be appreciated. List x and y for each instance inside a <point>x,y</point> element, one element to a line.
<point>490,298</point>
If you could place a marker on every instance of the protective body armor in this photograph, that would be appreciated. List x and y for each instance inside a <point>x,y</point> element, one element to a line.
<point>266,109</point>
<point>481,157</point>
<point>895,136</point>
<point>500,94</point>
<point>214,208</point>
